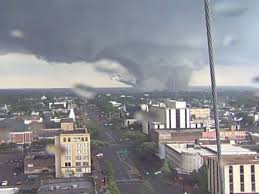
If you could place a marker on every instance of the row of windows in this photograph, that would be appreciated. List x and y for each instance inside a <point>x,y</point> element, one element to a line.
<point>82,157</point>
<point>67,157</point>
<point>68,164</point>
<point>75,139</point>
<point>242,185</point>
<point>78,145</point>
<point>84,151</point>
<point>82,145</point>
<point>78,157</point>
<point>68,152</point>
<point>80,164</point>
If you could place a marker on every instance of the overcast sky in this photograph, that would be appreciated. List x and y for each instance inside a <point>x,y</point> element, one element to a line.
<point>149,44</point>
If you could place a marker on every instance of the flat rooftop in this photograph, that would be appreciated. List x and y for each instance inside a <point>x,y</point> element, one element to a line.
<point>180,130</point>
<point>229,149</point>
<point>67,186</point>
<point>182,148</point>
<point>66,120</point>
<point>75,131</point>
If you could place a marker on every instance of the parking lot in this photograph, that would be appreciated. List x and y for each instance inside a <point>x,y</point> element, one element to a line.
<point>11,168</point>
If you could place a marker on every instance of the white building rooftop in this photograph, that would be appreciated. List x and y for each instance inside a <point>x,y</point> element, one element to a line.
<point>183,148</point>
<point>210,150</point>
<point>229,149</point>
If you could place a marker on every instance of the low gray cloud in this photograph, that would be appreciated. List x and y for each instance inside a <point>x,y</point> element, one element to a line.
<point>231,8</point>
<point>84,91</point>
<point>158,43</point>
<point>256,79</point>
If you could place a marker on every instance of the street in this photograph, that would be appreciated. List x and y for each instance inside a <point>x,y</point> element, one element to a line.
<point>128,178</point>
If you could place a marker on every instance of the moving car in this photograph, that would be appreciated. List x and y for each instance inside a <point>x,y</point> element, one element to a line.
<point>19,183</point>
<point>99,155</point>
<point>4,183</point>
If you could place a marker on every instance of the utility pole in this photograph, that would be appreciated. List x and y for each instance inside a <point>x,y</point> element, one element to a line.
<point>214,94</point>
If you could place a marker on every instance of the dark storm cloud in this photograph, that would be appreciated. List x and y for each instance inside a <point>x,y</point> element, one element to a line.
<point>159,43</point>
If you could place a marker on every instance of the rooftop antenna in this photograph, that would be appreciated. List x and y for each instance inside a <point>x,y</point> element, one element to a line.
<point>214,93</point>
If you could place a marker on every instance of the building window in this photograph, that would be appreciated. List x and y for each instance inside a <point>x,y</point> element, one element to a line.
<point>85,164</point>
<point>252,168</point>
<point>242,187</point>
<point>68,139</point>
<point>67,158</point>
<point>67,164</point>
<point>67,152</point>
<point>64,139</point>
<point>78,163</point>
<point>231,186</point>
<point>68,170</point>
<point>242,169</point>
<point>253,178</point>
<point>78,157</point>
<point>82,139</point>
<point>84,157</point>
<point>78,170</point>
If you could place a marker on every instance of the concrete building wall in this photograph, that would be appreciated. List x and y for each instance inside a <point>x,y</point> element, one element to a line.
<point>235,174</point>
<point>175,104</point>
<point>200,113</point>
<point>161,151</point>
<point>57,158</point>
<point>257,178</point>
<point>185,162</point>
<point>19,137</point>
<point>67,126</point>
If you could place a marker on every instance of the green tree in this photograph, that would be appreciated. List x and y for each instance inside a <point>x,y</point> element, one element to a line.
<point>148,147</point>
<point>200,178</point>
<point>92,129</point>
<point>95,144</point>
<point>146,188</point>
<point>42,143</point>
<point>109,170</point>
<point>169,170</point>
<point>113,188</point>
<point>136,136</point>
<point>246,119</point>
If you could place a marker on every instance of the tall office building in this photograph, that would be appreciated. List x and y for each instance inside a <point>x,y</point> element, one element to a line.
<point>169,115</point>
<point>75,158</point>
